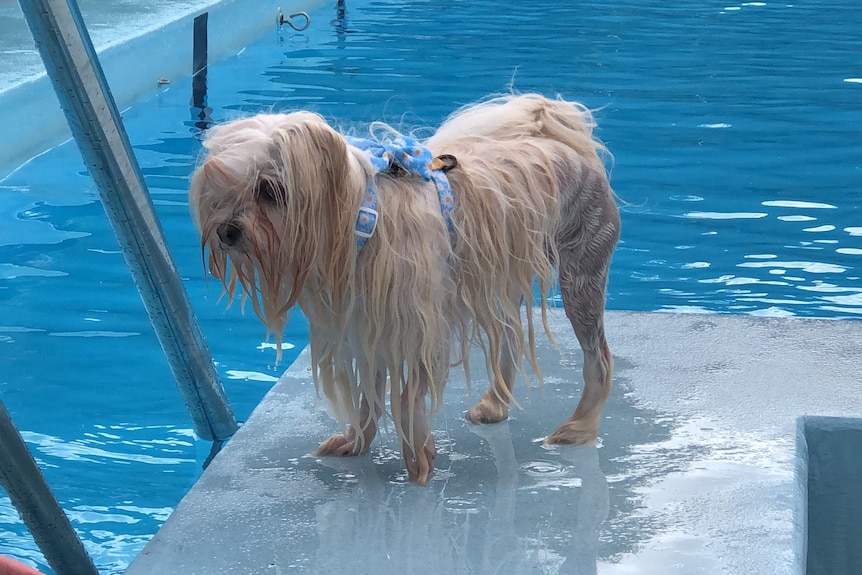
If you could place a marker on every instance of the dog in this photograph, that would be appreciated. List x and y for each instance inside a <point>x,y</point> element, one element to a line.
<point>403,255</point>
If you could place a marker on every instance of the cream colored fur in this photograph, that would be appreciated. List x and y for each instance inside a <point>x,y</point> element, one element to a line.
<point>276,200</point>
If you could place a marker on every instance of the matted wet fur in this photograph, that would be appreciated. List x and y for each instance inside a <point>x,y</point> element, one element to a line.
<point>276,200</point>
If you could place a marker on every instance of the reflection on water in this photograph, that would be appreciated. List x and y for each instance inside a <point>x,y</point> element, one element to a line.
<point>533,517</point>
<point>339,24</point>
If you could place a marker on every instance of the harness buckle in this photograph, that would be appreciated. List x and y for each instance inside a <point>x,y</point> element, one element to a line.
<point>366,222</point>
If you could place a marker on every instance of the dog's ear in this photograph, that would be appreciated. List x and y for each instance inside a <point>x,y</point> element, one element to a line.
<point>311,168</point>
<point>209,177</point>
<point>311,157</point>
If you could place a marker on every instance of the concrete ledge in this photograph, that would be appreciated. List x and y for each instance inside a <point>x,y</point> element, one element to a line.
<point>32,118</point>
<point>697,471</point>
<point>833,473</point>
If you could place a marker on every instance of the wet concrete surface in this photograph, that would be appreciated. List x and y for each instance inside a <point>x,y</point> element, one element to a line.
<point>696,471</point>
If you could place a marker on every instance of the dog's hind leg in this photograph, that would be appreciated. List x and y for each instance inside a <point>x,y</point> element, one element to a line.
<point>583,294</point>
<point>494,405</point>
<point>417,443</point>
<point>349,443</point>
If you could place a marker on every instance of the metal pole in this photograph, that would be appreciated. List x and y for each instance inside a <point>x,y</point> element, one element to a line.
<point>74,69</point>
<point>201,113</point>
<point>31,496</point>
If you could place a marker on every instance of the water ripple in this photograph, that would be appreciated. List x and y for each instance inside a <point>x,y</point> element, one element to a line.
<point>798,204</point>
<point>89,450</point>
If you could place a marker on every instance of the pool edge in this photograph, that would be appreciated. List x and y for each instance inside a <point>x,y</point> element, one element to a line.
<point>30,110</point>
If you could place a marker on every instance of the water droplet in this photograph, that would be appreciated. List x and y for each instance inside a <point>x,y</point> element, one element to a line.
<point>444,444</point>
<point>542,468</point>
<point>461,505</point>
<point>399,479</point>
<point>385,454</point>
<point>347,477</point>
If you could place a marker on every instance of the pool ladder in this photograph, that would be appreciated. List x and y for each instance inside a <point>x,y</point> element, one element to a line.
<point>81,87</point>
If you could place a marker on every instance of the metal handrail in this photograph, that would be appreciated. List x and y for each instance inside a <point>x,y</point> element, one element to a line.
<point>92,114</point>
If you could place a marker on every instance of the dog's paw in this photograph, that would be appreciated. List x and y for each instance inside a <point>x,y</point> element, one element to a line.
<point>487,411</point>
<point>575,432</point>
<point>420,464</point>
<point>341,445</point>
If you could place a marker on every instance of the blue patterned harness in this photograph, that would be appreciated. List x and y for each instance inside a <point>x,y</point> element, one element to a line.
<point>414,158</point>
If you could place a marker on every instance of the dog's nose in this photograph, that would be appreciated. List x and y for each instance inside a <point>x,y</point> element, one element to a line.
<point>229,234</point>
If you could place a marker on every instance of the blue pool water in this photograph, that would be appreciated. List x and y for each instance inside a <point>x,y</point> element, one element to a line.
<point>736,131</point>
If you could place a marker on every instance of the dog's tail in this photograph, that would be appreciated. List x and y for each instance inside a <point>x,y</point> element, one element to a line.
<point>503,146</point>
<point>519,115</point>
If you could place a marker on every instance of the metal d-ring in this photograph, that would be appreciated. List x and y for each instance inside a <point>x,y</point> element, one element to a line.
<point>289,20</point>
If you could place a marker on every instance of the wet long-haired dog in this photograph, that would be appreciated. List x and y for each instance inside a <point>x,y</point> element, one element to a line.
<point>280,199</point>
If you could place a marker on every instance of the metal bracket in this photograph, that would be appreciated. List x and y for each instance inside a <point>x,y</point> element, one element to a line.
<point>289,20</point>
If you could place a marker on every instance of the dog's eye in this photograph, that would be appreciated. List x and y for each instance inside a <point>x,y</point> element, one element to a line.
<point>268,191</point>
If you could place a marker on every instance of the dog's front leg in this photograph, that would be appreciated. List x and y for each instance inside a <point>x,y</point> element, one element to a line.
<point>417,443</point>
<point>351,443</point>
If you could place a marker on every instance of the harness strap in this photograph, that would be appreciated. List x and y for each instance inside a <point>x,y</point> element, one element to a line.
<point>412,157</point>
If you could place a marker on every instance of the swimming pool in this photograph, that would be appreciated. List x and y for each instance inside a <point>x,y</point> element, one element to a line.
<point>736,131</point>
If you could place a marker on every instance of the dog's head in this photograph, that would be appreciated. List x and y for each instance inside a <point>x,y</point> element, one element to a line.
<point>273,200</point>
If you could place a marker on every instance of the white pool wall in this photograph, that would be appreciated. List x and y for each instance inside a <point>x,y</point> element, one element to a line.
<point>30,113</point>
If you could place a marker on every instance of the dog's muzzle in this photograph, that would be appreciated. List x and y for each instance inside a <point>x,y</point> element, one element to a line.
<point>229,234</point>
